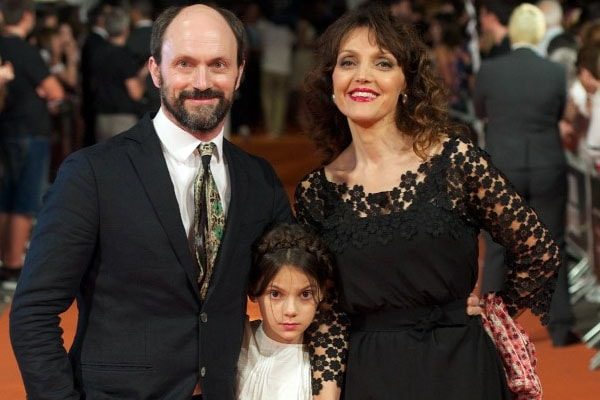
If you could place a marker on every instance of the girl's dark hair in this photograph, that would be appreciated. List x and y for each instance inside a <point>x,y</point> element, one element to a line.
<point>424,116</point>
<point>289,245</point>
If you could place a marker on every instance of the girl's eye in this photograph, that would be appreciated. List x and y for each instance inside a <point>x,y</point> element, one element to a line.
<point>307,294</point>
<point>274,294</point>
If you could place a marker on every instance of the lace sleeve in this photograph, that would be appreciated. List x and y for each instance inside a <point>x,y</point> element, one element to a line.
<point>532,256</point>
<point>327,336</point>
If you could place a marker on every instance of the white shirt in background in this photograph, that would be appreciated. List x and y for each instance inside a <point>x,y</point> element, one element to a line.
<point>593,133</point>
<point>277,43</point>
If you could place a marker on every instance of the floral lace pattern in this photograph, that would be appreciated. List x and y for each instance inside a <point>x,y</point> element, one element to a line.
<point>460,179</point>
<point>327,345</point>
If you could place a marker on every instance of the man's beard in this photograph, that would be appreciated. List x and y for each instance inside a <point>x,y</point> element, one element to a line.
<point>203,118</point>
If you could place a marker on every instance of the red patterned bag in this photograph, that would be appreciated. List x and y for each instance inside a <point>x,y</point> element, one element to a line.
<point>515,348</point>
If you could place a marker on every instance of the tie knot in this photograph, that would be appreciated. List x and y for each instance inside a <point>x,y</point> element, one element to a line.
<point>206,151</point>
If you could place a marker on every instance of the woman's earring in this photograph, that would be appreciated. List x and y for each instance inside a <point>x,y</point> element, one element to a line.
<point>333,98</point>
<point>404,99</point>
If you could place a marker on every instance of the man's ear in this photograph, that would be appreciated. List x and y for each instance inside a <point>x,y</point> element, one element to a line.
<point>154,70</point>
<point>240,75</point>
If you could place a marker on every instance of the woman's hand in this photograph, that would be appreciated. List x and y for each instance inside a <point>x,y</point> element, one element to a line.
<point>474,305</point>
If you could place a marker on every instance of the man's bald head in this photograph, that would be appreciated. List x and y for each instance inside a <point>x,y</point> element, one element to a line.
<point>164,20</point>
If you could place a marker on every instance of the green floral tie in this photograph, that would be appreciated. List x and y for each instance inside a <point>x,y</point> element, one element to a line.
<point>209,219</point>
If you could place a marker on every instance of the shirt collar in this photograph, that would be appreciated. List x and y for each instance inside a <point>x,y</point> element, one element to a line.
<point>523,45</point>
<point>143,23</point>
<point>100,31</point>
<point>179,143</point>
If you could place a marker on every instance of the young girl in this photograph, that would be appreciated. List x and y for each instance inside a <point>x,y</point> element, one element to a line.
<point>288,278</point>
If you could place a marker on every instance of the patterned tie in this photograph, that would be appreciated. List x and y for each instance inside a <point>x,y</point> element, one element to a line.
<point>209,219</point>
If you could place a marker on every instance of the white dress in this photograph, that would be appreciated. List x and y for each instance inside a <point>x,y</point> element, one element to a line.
<point>270,370</point>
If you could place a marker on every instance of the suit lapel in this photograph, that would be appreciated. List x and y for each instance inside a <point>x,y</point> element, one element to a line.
<point>238,181</point>
<point>148,160</point>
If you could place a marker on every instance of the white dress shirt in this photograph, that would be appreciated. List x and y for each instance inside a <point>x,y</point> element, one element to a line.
<point>184,162</point>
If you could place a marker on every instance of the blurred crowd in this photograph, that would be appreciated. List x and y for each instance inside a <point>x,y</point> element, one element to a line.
<point>74,73</point>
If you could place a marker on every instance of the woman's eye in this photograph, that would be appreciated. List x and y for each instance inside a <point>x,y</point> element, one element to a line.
<point>346,63</point>
<point>384,64</point>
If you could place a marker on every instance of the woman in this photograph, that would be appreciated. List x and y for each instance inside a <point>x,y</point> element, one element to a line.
<point>400,200</point>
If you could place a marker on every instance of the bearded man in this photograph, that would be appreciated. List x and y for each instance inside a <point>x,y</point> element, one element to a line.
<point>150,232</point>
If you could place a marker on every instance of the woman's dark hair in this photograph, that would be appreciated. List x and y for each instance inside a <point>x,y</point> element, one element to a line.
<point>423,116</point>
<point>294,246</point>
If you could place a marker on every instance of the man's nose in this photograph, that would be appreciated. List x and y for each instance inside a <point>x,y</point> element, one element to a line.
<point>201,78</point>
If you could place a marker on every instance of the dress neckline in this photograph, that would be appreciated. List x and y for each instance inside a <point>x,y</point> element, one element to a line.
<point>408,179</point>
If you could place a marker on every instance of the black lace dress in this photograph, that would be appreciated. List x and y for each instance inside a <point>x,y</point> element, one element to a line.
<point>406,263</point>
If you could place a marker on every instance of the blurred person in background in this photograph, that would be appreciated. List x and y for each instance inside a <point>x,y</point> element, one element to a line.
<point>96,39</point>
<point>303,60</point>
<point>522,97</point>
<point>246,111</point>
<point>24,136</point>
<point>453,64</point>
<point>588,74</point>
<point>553,15</point>
<point>138,43</point>
<point>557,44</point>
<point>7,74</point>
<point>493,21</point>
<point>119,80</point>
<point>277,41</point>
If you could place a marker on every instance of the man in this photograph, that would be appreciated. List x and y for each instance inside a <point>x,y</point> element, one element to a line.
<point>138,43</point>
<point>122,79</point>
<point>493,19</point>
<point>96,39</point>
<point>24,137</point>
<point>522,96</point>
<point>557,44</point>
<point>114,235</point>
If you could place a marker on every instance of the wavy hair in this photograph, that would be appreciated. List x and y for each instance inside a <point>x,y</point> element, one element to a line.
<point>424,116</point>
<point>290,245</point>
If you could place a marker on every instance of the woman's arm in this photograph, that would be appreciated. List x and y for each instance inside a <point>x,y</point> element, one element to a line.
<point>533,257</point>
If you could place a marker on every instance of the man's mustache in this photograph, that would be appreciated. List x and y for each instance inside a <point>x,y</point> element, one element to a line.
<point>197,94</point>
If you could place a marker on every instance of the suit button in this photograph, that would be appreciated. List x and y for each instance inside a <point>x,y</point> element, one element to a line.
<point>203,371</point>
<point>203,317</point>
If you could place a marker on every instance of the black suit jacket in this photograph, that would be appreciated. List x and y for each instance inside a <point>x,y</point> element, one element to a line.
<point>110,235</point>
<point>522,95</point>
